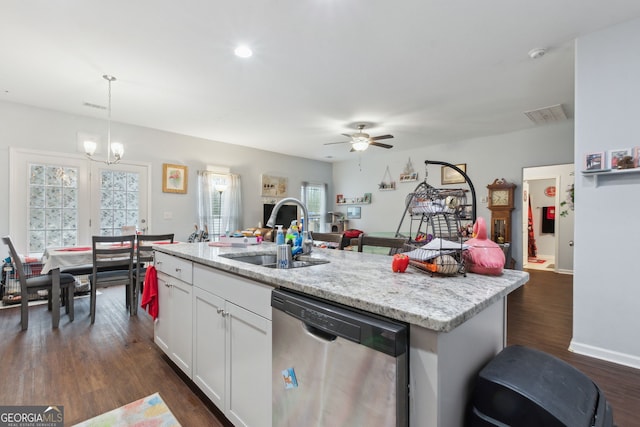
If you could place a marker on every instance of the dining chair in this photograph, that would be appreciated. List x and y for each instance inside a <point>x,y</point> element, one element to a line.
<point>112,265</point>
<point>395,244</point>
<point>29,285</point>
<point>144,256</point>
<point>330,238</point>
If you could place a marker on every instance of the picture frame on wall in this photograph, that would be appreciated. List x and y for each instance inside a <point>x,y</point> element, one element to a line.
<point>595,161</point>
<point>452,176</point>
<point>353,212</point>
<point>616,156</point>
<point>174,178</point>
<point>274,186</point>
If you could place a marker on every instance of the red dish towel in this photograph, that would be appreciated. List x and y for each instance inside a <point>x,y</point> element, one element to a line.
<point>75,249</point>
<point>150,293</point>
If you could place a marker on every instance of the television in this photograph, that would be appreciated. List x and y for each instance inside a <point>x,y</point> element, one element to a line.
<point>286,214</point>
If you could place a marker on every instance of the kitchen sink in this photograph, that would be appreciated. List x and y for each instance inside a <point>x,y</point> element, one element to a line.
<point>269,260</point>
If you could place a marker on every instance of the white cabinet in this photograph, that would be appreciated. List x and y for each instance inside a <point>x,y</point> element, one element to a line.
<point>173,328</point>
<point>232,345</point>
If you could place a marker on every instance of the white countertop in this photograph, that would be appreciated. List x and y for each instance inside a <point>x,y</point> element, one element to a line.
<point>365,281</point>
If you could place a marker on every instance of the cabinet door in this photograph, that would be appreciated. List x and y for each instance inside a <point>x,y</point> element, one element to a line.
<point>161,326</point>
<point>209,345</point>
<point>181,327</point>
<point>249,370</point>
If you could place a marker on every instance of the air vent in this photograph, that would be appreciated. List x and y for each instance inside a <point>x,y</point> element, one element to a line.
<point>90,105</point>
<point>554,113</point>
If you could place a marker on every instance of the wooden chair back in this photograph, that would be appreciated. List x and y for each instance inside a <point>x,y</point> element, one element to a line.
<point>330,238</point>
<point>112,264</point>
<point>395,244</point>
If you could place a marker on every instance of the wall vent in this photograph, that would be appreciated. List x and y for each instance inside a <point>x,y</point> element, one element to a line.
<point>554,113</point>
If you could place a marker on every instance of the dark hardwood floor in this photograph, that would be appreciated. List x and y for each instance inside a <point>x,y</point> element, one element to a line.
<point>540,315</point>
<point>91,369</point>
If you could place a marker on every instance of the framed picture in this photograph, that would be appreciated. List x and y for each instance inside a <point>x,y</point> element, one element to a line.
<point>174,178</point>
<point>452,176</point>
<point>274,186</point>
<point>340,199</point>
<point>367,196</point>
<point>616,156</point>
<point>594,161</point>
<point>353,212</point>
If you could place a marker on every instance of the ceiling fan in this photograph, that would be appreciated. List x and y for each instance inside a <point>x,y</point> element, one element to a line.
<point>360,141</point>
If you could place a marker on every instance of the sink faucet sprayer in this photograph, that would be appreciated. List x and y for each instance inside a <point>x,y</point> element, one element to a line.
<point>307,240</point>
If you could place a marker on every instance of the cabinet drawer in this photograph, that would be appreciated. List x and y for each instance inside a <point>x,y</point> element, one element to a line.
<point>175,267</point>
<point>249,294</point>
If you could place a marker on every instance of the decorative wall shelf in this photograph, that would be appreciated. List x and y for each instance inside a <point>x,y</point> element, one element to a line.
<point>360,200</point>
<point>609,173</point>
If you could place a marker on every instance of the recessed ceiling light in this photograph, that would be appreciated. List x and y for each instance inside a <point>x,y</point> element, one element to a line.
<point>243,51</point>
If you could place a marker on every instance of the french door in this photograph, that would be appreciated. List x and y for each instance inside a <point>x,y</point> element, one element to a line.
<point>62,200</point>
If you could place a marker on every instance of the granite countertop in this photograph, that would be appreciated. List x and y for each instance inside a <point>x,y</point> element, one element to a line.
<point>365,281</point>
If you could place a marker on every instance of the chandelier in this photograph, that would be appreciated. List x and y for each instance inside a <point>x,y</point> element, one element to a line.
<point>115,148</point>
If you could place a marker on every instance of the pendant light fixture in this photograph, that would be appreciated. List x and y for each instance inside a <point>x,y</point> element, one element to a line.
<point>115,148</point>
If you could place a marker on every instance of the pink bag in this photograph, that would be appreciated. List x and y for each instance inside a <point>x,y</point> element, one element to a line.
<point>484,256</point>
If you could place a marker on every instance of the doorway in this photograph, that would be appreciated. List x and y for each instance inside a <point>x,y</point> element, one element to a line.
<point>547,238</point>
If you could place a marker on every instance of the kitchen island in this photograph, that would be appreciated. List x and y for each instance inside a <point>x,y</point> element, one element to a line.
<point>457,323</point>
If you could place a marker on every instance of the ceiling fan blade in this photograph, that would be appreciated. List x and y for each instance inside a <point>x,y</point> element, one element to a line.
<point>331,143</point>
<point>376,138</point>
<point>346,134</point>
<point>380,144</point>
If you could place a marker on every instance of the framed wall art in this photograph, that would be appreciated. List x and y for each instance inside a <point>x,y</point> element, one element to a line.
<point>452,176</point>
<point>353,212</point>
<point>616,156</point>
<point>274,186</point>
<point>594,161</point>
<point>174,178</point>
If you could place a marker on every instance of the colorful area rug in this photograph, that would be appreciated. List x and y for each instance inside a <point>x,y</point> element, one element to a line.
<point>537,260</point>
<point>148,412</point>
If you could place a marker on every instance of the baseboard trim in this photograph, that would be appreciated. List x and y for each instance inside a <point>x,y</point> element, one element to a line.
<point>604,354</point>
<point>565,272</point>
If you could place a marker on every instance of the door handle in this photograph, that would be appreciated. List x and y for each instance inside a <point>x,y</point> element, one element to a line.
<point>571,243</point>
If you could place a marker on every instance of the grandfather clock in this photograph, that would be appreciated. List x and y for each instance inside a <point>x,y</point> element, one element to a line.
<point>501,205</point>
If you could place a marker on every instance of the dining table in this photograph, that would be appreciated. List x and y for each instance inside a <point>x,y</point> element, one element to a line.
<point>71,259</point>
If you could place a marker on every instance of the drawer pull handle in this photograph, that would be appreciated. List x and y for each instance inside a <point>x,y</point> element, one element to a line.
<point>178,270</point>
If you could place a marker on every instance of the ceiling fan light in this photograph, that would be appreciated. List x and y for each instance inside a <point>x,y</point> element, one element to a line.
<point>360,145</point>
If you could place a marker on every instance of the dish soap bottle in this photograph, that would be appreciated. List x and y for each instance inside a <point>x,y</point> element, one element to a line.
<point>279,236</point>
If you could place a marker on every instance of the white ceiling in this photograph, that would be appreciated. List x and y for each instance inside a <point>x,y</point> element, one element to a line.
<point>426,71</point>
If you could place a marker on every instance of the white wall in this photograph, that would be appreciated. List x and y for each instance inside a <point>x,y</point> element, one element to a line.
<point>498,156</point>
<point>29,127</point>
<point>606,293</point>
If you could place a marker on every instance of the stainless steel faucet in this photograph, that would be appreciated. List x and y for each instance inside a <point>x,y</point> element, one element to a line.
<point>306,244</point>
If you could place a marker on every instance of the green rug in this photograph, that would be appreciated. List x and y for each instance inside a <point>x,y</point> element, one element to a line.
<point>149,411</point>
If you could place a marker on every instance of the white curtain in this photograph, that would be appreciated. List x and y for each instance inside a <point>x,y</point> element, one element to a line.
<point>232,204</point>
<point>226,218</point>
<point>206,193</point>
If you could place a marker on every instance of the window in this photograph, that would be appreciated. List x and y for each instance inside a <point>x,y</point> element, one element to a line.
<point>52,207</point>
<point>118,201</point>
<point>314,196</point>
<point>219,202</point>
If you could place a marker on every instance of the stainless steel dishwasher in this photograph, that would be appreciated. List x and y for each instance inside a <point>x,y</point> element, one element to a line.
<point>334,366</point>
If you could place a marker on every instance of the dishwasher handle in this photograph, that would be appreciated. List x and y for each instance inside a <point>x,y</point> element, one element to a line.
<point>319,333</point>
